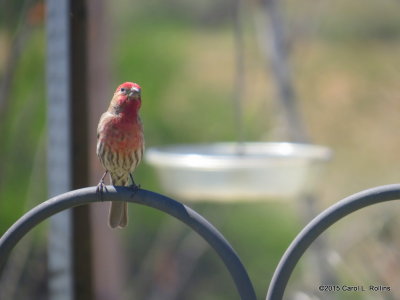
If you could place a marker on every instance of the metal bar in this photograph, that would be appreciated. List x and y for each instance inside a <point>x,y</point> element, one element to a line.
<point>239,88</point>
<point>81,237</point>
<point>318,225</point>
<point>282,73</point>
<point>144,197</point>
<point>60,252</point>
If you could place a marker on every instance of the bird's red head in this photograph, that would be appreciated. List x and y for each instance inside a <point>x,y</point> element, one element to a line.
<point>127,97</point>
<point>128,86</point>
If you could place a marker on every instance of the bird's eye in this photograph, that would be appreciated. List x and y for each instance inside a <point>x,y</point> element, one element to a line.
<point>123,90</point>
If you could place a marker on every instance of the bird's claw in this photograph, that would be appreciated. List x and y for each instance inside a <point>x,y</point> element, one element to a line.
<point>135,187</point>
<point>101,187</point>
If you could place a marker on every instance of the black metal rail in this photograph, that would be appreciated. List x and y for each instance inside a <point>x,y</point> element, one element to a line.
<point>195,221</point>
<point>318,225</point>
<point>144,197</point>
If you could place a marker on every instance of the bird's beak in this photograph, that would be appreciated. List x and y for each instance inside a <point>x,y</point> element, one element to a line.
<point>134,92</point>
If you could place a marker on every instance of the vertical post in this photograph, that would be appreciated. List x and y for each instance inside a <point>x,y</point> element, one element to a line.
<point>59,141</point>
<point>282,73</point>
<point>69,239</point>
<point>239,88</point>
<point>109,266</point>
<point>297,131</point>
<point>78,36</point>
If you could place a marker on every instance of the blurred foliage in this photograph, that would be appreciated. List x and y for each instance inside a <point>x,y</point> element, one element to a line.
<point>346,72</point>
<point>23,119</point>
<point>23,140</point>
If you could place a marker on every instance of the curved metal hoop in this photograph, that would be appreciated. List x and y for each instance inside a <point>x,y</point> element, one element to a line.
<point>318,225</point>
<point>144,197</point>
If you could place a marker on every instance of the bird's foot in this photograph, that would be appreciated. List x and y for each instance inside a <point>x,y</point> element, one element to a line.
<point>101,187</point>
<point>134,186</point>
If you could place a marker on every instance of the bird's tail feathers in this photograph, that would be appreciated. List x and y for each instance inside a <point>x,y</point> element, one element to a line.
<point>118,217</point>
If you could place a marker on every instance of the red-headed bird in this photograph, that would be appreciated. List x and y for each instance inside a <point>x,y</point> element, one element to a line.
<point>120,144</point>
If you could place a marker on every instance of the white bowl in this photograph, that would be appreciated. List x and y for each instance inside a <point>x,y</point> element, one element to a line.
<point>238,171</point>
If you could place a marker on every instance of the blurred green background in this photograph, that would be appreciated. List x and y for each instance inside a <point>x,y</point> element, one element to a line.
<point>346,71</point>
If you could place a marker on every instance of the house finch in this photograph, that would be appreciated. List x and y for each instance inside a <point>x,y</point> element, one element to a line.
<point>120,144</point>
